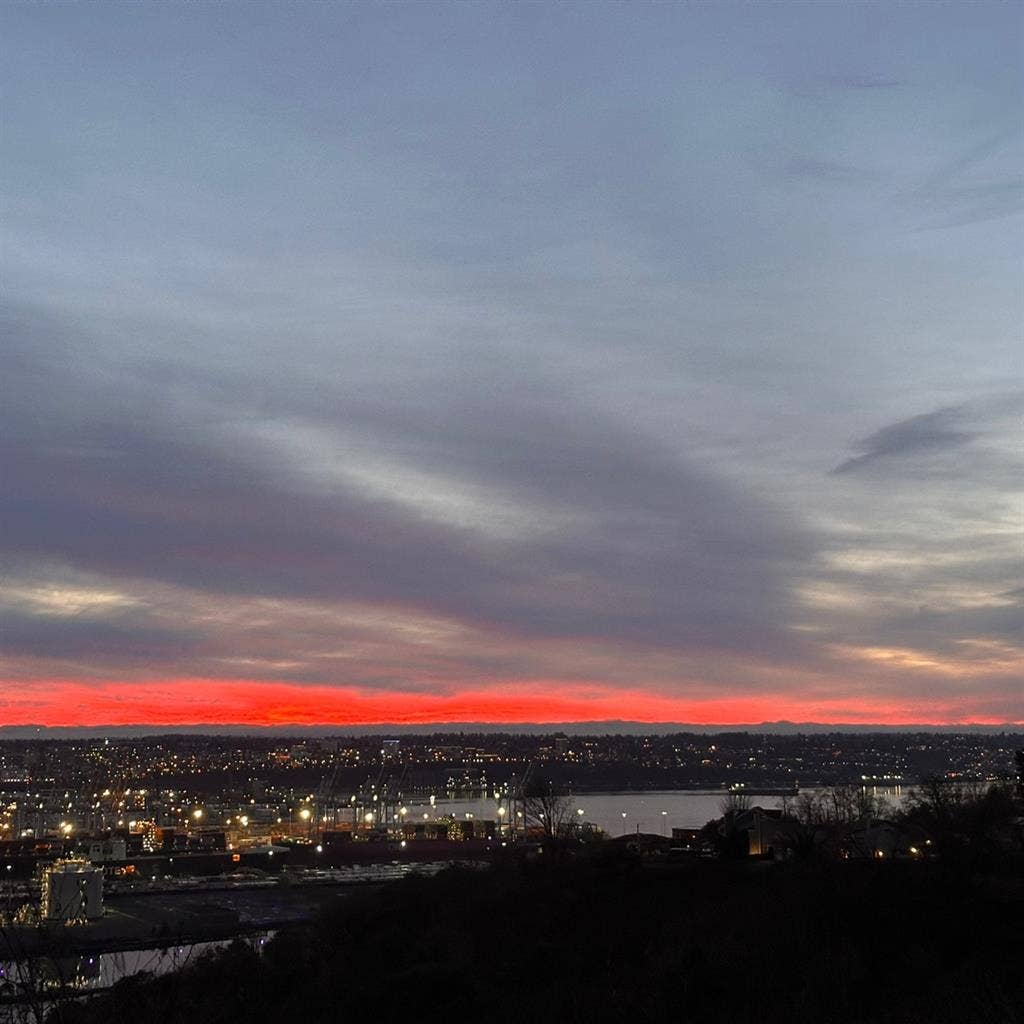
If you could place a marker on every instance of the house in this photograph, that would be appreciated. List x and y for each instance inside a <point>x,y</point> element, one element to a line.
<point>767,831</point>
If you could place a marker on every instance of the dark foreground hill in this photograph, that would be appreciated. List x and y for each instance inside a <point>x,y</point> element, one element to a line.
<point>829,943</point>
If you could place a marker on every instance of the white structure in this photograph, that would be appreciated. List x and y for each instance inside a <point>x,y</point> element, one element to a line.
<point>72,891</point>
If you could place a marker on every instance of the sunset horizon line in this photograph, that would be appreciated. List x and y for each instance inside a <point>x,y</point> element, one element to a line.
<point>578,727</point>
<point>259,704</point>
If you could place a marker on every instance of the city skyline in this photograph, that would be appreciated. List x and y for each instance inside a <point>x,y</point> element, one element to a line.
<point>511,364</point>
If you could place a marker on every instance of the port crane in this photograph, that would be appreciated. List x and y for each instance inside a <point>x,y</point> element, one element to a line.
<point>373,805</point>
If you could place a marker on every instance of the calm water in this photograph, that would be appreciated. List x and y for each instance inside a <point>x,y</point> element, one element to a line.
<point>95,971</point>
<point>617,813</point>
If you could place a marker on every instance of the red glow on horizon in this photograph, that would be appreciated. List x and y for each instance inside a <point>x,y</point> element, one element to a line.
<point>190,702</point>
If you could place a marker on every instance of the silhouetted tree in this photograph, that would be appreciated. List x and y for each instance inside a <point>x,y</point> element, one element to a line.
<point>970,825</point>
<point>833,819</point>
<point>549,810</point>
<point>734,803</point>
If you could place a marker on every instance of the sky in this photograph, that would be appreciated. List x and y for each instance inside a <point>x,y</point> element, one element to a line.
<point>511,363</point>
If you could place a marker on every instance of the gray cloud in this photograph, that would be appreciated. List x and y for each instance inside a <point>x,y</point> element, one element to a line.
<point>918,436</point>
<point>932,442</point>
<point>124,641</point>
<point>647,547</point>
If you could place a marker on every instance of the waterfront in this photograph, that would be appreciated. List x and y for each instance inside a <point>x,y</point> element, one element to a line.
<point>147,932</point>
<point>256,906</point>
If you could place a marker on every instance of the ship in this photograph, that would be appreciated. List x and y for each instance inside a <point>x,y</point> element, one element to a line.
<point>741,787</point>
